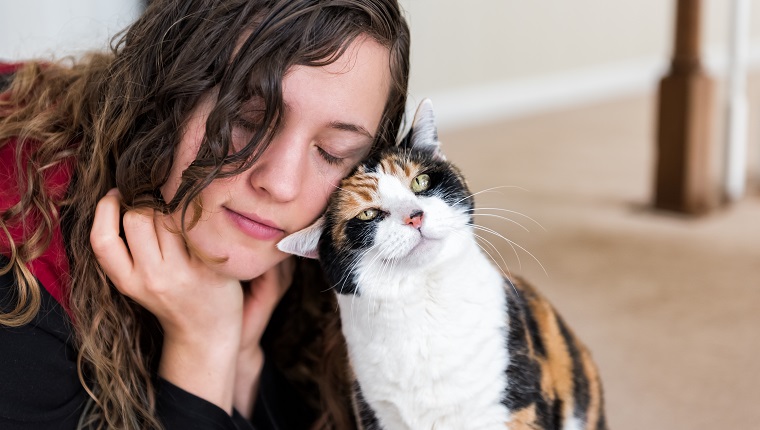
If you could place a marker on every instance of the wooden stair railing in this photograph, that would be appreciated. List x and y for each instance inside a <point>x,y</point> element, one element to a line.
<point>685,123</point>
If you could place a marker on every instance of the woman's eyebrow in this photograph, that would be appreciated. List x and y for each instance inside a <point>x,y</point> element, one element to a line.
<point>345,126</point>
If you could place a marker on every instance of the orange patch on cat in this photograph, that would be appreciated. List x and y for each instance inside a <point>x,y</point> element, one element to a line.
<point>557,367</point>
<point>523,419</point>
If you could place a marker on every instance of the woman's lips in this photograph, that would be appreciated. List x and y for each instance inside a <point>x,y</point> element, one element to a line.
<point>258,229</point>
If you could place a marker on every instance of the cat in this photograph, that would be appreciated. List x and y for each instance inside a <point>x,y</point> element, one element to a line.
<point>438,337</point>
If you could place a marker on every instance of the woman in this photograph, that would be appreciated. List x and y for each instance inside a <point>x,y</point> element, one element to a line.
<point>146,189</point>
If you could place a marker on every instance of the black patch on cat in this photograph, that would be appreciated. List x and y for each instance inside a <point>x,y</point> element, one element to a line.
<point>602,423</point>
<point>445,181</point>
<point>337,271</point>
<point>557,418</point>
<point>535,335</point>
<point>530,321</point>
<point>446,184</point>
<point>523,373</point>
<point>580,382</point>
<point>370,167</point>
<point>372,162</point>
<point>549,416</point>
<point>361,234</point>
<point>367,415</point>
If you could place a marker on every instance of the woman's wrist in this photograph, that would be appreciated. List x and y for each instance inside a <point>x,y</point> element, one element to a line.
<point>205,369</point>
<point>249,362</point>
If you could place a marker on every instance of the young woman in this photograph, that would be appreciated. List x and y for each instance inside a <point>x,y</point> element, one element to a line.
<point>143,192</point>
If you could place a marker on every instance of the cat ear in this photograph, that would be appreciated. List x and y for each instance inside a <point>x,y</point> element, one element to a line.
<point>425,131</point>
<point>304,242</point>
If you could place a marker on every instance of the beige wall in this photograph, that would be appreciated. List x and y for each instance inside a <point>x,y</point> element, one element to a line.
<point>56,28</point>
<point>458,42</point>
<point>493,57</point>
<point>460,45</point>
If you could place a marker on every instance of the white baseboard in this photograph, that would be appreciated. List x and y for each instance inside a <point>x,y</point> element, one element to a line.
<point>479,104</point>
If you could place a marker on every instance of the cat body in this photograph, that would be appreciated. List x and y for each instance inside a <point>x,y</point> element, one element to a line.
<point>432,355</point>
<point>437,336</point>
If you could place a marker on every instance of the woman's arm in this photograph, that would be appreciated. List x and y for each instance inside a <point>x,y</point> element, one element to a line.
<point>212,325</point>
<point>41,386</point>
<point>200,312</point>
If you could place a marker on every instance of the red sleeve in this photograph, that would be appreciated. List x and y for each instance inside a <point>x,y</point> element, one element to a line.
<point>9,68</point>
<point>52,267</point>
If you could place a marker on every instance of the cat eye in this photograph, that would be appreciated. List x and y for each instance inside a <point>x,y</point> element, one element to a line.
<point>421,183</point>
<point>368,214</point>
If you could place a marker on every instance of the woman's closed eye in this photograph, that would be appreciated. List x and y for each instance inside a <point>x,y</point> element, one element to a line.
<point>245,124</point>
<point>247,121</point>
<point>342,153</point>
<point>242,133</point>
<point>330,158</point>
<point>341,145</point>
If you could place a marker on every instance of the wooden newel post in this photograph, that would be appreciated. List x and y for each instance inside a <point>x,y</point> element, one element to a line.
<point>685,123</point>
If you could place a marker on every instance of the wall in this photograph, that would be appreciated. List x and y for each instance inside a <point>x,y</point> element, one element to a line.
<point>479,60</point>
<point>56,28</point>
<point>487,59</point>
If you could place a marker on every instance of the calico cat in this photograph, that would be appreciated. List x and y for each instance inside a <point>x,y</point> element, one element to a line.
<point>438,337</point>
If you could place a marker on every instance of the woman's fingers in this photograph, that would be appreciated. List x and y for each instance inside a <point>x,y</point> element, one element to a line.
<point>110,250</point>
<point>140,231</point>
<point>170,241</point>
<point>149,245</point>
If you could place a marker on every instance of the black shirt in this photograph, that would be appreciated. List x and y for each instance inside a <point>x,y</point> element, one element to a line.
<point>40,387</point>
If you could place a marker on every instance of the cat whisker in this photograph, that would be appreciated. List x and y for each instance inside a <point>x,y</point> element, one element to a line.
<point>488,190</point>
<point>379,252</point>
<point>507,275</point>
<point>504,218</point>
<point>510,211</point>
<point>514,250</point>
<point>385,268</point>
<point>489,215</point>
<point>496,233</point>
<point>350,271</point>
<point>506,266</point>
<point>494,248</point>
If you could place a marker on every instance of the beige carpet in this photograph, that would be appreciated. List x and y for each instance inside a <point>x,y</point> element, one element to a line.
<point>669,305</point>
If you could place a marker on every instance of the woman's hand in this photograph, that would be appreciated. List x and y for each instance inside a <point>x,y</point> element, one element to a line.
<point>200,311</point>
<point>261,297</point>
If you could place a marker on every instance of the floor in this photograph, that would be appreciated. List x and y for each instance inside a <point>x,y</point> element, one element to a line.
<point>669,305</point>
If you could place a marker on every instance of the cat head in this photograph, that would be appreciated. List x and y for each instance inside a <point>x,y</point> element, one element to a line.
<point>402,209</point>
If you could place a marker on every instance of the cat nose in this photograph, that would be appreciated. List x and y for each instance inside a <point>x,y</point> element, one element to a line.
<point>415,219</point>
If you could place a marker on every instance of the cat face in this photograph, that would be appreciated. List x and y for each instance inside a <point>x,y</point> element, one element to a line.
<point>401,210</point>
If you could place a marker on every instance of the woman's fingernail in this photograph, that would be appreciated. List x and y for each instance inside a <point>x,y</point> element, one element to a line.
<point>113,192</point>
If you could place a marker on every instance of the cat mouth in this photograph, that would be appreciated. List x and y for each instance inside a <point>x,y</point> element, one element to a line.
<point>424,247</point>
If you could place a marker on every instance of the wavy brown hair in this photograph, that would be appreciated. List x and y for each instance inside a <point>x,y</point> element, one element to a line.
<point>118,117</point>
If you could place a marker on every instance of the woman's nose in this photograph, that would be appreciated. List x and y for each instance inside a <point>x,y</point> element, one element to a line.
<point>280,170</point>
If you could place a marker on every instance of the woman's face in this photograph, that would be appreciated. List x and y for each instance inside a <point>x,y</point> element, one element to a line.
<point>331,117</point>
